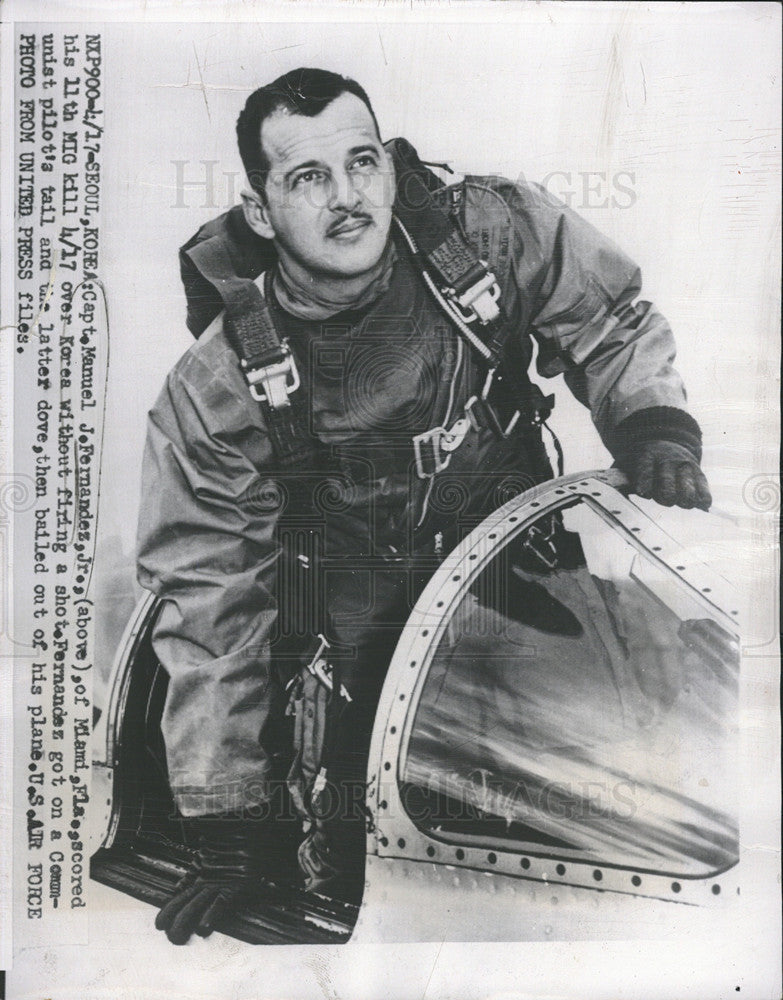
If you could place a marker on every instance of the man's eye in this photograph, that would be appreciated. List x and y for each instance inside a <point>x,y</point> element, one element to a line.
<point>308,177</point>
<point>364,161</point>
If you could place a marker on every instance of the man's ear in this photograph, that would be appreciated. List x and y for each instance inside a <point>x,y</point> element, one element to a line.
<point>256,215</point>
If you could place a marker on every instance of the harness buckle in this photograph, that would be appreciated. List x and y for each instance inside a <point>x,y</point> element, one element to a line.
<point>480,301</point>
<point>439,463</point>
<point>274,383</point>
<point>541,544</point>
<point>442,443</point>
<point>322,670</point>
<point>455,435</point>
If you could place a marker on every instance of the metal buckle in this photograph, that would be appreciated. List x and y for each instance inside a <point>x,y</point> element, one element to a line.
<point>442,440</point>
<point>429,437</point>
<point>322,670</point>
<point>455,435</point>
<point>278,381</point>
<point>535,538</point>
<point>480,301</point>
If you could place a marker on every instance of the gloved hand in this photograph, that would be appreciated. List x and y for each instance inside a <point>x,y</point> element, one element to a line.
<point>669,473</point>
<point>231,860</point>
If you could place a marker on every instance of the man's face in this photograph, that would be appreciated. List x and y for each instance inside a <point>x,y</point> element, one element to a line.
<point>329,192</point>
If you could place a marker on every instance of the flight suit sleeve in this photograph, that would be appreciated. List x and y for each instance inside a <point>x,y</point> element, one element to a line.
<point>206,547</point>
<point>615,350</point>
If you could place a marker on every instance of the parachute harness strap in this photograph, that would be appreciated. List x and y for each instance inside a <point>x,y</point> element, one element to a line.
<point>266,362</point>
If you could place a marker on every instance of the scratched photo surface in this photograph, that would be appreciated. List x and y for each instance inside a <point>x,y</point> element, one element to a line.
<point>578,729</point>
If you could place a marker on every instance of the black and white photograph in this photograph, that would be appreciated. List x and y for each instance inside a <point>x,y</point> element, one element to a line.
<point>390,500</point>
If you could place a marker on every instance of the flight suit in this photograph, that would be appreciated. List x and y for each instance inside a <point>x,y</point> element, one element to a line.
<point>223,536</point>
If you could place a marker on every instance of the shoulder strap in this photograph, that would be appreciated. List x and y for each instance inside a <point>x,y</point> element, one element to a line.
<point>442,252</point>
<point>266,362</point>
<point>249,255</point>
<point>466,291</point>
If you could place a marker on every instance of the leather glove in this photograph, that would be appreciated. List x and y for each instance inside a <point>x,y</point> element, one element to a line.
<point>230,862</point>
<point>669,474</point>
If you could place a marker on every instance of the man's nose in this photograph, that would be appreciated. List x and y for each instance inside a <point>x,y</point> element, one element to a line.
<point>343,195</point>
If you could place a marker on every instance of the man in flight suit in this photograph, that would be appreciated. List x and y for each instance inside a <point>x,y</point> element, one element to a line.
<point>380,367</point>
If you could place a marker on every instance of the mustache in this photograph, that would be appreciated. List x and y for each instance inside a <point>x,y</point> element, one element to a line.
<point>350,217</point>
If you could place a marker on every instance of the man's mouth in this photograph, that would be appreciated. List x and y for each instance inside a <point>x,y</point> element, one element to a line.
<point>349,227</point>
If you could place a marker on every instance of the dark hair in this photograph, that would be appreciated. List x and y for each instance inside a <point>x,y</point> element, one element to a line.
<point>302,91</point>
